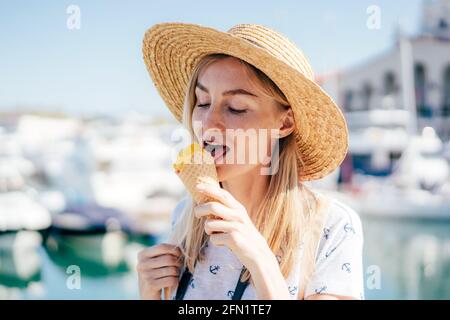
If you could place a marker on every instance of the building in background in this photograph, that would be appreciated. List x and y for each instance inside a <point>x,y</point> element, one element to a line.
<point>379,83</point>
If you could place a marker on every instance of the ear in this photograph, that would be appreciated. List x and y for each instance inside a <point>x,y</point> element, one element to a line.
<point>287,123</point>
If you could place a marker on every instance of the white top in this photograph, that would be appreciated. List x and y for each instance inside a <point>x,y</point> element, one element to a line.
<point>338,270</point>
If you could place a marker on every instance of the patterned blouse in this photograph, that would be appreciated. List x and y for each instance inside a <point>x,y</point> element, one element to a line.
<point>338,270</point>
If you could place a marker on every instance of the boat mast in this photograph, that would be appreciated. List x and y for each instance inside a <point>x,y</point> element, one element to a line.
<point>407,78</point>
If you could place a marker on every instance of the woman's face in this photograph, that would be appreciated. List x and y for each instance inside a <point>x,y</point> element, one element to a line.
<point>229,118</point>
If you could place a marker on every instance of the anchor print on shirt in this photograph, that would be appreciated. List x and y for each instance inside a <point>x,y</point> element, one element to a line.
<point>230,293</point>
<point>293,290</point>
<point>278,258</point>
<point>214,269</point>
<point>328,253</point>
<point>349,228</point>
<point>326,233</point>
<point>320,290</point>
<point>346,267</point>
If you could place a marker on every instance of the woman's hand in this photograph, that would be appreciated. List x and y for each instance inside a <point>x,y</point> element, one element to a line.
<point>231,226</point>
<point>157,268</point>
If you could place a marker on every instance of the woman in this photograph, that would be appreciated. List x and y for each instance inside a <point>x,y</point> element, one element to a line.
<point>263,234</point>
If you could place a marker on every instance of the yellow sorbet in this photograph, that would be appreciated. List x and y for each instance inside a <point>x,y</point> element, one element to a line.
<point>186,156</point>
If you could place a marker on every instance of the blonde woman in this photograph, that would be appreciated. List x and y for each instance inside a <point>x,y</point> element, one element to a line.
<point>263,234</point>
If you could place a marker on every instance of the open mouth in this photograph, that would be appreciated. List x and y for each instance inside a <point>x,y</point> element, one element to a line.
<point>217,151</point>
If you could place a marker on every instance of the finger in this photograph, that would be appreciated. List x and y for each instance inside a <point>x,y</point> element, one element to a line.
<point>214,225</point>
<point>216,192</point>
<point>159,249</point>
<point>166,260</point>
<point>164,272</point>
<point>219,239</point>
<point>165,282</point>
<point>214,208</point>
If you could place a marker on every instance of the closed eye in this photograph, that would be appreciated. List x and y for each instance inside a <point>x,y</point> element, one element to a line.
<point>232,110</point>
<point>236,110</point>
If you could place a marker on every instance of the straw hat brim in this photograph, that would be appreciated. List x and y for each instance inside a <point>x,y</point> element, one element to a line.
<point>172,50</point>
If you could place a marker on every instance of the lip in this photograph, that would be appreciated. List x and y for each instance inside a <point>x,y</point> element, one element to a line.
<point>217,151</point>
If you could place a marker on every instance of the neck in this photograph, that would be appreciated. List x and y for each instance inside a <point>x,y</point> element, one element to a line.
<point>249,189</point>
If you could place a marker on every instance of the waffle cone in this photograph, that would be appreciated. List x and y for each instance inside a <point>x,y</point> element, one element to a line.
<point>195,165</point>
<point>196,173</point>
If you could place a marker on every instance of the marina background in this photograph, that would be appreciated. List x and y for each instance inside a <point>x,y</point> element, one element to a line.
<point>86,142</point>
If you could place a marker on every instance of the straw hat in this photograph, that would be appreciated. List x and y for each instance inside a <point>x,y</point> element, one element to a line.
<point>172,50</point>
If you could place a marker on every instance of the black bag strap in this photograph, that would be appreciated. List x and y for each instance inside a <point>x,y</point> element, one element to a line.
<point>187,275</point>
<point>183,284</point>
<point>240,287</point>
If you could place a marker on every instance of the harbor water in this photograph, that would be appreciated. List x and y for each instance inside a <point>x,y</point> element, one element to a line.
<point>404,259</point>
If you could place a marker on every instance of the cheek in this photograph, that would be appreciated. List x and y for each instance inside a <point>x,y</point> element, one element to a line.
<point>197,122</point>
<point>259,119</point>
<point>196,115</point>
<point>254,149</point>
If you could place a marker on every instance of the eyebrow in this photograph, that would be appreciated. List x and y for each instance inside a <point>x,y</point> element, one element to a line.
<point>229,92</point>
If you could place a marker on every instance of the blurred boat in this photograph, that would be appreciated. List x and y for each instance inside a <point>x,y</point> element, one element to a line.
<point>14,171</point>
<point>89,236</point>
<point>96,254</point>
<point>150,220</point>
<point>134,175</point>
<point>377,139</point>
<point>20,262</point>
<point>19,206</point>
<point>88,219</point>
<point>380,198</point>
<point>414,189</point>
<point>19,211</point>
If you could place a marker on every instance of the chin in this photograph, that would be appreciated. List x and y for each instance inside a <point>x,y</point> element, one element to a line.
<point>228,171</point>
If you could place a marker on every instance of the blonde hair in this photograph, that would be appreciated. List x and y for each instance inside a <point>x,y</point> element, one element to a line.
<point>286,216</point>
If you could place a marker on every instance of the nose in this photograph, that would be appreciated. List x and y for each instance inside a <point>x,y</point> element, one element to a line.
<point>212,126</point>
<point>213,119</point>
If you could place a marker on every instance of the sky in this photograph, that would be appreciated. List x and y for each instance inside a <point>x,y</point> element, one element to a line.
<point>98,69</point>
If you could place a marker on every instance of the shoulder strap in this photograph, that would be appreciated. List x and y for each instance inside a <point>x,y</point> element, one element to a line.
<point>183,285</point>
<point>311,242</point>
<point>186,277</point>
<point>240,287</point>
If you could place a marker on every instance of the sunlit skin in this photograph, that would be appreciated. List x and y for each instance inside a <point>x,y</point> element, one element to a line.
<point>234,205</point>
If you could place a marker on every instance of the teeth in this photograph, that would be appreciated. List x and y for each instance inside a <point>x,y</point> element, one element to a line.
<point>211,144</point>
